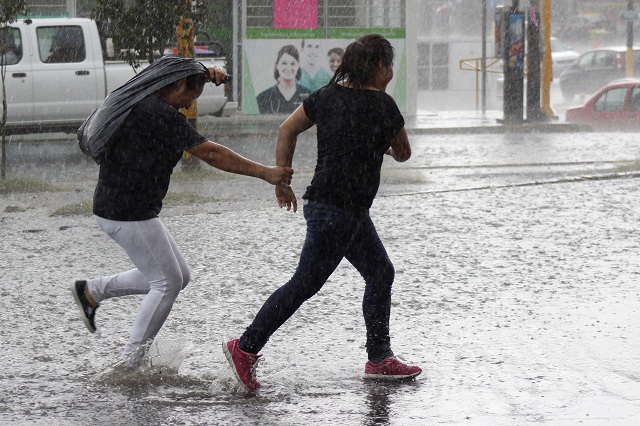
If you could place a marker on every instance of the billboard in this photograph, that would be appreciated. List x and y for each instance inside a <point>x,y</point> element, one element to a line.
<point>282,66</point>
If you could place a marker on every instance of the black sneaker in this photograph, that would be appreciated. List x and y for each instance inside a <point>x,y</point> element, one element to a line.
<point>88,311</point>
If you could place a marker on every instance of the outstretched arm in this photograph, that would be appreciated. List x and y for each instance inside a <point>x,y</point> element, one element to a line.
<point>288,133</point>
<point>223,158</point>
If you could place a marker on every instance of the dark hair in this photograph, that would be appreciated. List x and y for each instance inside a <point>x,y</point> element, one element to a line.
<point>289,50</point>
<point>193,81</point>
<point>337,50</point>
<point>361,58</point>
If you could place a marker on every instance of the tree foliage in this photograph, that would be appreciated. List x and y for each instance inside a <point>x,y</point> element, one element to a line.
<point>10,10</point>
<point>141,29</point>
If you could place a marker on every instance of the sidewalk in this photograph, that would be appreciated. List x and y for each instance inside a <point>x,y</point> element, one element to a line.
<point>446,122</point>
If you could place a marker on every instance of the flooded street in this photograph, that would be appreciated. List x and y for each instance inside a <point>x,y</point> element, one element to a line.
<point>517,291</point>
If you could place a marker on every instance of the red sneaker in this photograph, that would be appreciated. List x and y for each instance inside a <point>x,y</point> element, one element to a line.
<point>391,369</point>
<point>242,363</point>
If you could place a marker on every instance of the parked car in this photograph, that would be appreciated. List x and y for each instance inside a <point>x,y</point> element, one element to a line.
<point>562,56</point>
<point>596,68</point>
<point>57,74</point>
<point>204,46</point>
<point>615,107</point>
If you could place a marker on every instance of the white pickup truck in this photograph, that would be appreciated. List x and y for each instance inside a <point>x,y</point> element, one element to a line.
<point>58,73</point>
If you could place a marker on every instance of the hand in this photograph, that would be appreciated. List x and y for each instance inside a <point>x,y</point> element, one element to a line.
<point>217,74</point>
<point>286,197</point>
<point>278,174</point>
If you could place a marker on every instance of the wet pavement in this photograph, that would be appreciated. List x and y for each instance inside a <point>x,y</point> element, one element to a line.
<point>517,290</point>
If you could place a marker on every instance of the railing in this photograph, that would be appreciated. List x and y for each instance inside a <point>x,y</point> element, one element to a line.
<point>492,65</point>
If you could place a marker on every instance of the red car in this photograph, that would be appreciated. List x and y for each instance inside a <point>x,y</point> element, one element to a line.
<point>614,107</point>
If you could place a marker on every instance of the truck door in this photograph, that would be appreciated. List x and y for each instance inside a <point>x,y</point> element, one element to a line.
<point>65,73</point>
<point>19,79</point>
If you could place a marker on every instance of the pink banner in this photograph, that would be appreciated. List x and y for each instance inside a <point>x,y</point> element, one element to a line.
<point>295,14</point>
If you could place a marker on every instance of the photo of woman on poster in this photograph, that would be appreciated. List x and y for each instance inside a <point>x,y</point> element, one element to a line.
<point>287,94</point>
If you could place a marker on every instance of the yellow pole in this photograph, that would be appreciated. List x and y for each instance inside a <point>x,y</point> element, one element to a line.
<point>547,63</point>
<point>629,56</point>
<point>185,36</point>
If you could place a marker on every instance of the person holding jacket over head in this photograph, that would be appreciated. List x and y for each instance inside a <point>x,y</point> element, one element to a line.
<point>138,136</point>
<point>357,124</point>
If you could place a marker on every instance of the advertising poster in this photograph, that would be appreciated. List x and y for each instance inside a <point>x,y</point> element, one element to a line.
<point>499,33</point>
<point>282,66</point>
<point>515,42</point>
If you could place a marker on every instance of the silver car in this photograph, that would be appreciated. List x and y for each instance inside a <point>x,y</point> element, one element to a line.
<point>562,57</point>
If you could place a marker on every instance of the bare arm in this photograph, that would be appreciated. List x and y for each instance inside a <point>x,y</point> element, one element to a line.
<point>223,158</point>
<point>400,148</point>
<point>295,124</point>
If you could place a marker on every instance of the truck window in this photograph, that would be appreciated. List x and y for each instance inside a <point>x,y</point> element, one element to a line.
<point>10,46</point>
<point>61,44</point>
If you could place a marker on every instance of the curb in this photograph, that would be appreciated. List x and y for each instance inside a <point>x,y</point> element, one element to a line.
<point>256,125</point>
<point>504,129</point>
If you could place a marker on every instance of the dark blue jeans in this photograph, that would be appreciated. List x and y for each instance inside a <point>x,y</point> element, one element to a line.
<point>333,234</point>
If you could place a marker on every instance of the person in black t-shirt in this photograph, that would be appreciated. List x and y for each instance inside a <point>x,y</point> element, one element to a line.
<point>357,124</point>
<point>134,178</point>
<point>287,94</point>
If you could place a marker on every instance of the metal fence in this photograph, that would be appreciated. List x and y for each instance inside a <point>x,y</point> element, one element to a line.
<point>337,13</point>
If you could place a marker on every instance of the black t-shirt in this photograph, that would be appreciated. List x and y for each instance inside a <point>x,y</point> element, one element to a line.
<point>134,176</point>
<point>355,128</point>
<point>271,101</point>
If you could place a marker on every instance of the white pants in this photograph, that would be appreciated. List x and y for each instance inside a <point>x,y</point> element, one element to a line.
<point>160,273</point>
